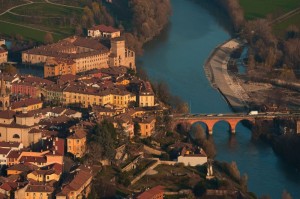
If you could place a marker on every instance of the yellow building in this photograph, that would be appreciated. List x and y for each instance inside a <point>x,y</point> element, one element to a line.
<point>44,175</point>
<point>75,94</point>
<point>28,104</point>
<point>57,66</point>
<point>76,143</point>
<point>87,53</point>
<point>53,93</point>
<point>147,125</point>
<point>79,187</point>
<point>146,95</point>
<point>39,191</point>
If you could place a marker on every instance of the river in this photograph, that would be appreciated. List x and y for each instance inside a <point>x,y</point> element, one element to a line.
<point>177,57</point>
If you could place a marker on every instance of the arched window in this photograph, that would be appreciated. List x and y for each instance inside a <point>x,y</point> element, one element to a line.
<point>16,136</point>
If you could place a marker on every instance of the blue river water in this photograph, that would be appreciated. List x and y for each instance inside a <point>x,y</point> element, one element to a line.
<point>177,57</point>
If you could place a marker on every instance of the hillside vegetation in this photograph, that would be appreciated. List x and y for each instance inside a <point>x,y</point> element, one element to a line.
<point>261,8</point>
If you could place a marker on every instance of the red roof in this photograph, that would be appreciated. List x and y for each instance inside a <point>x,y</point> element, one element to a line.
<point>4,151</point>
<point>104,28</point>
<point>2,51</point>
<point>25,102</point>
<point>149,194</point>
<point>9,144</point>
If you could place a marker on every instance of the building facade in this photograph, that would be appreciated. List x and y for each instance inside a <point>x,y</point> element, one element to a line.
<point>3,56</point>
<point>56,66</point>
<point>104,31</point>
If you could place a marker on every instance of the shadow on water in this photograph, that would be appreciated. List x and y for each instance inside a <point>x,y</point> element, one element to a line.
<point>289,171</point>
<point>218,13</point>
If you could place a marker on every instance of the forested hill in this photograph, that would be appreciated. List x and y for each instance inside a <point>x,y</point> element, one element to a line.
<point>141,19</point>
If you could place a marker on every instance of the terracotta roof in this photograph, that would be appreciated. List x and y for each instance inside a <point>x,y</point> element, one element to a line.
<point>4,151</point>
<point>33,159</point>
<point>14,154</point>
<point>20,167</point>
<point>9,144</point>
<point>9,186</point>
<point>79,134</point>
<point>2,50</point>
<point>25,102</point>
<point>104,28</point>
<point>29,114</point>
<point>149,194</point>
<point>80,178</point>
<point>40,188</point>
<point>8,114</point>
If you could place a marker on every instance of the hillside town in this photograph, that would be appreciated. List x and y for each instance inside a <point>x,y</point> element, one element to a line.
<point>49,127</point>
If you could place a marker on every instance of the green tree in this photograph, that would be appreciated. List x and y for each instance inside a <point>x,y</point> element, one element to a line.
<point>104,134</point>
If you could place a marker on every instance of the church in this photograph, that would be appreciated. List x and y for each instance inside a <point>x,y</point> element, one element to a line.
<point>21,127</point>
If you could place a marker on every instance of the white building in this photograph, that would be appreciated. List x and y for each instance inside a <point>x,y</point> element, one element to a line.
<point>104,32</point>
<point>3,155</point>
<point>192,158</point>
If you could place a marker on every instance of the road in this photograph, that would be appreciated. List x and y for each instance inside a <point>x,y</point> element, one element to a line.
<point>29,27</point>
<point>58,4</point>
<point>285,16</point>
<point>8,10</point>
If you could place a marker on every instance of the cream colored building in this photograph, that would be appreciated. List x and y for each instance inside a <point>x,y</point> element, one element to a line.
<point>87,53</point>
<point>93,96</point>
<point>19,129</point>
<point>120,55</point>
<point>39,192</point>
<point>104,32</point>
<point>76,143</point>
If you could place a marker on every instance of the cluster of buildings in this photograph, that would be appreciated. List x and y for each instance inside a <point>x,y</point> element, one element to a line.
<point>102,49</point>
<point>35,137</point>
<point>38,128</point>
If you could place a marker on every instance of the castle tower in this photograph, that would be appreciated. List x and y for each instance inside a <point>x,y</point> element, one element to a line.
<point>4,98</point>
<point>117,57</point>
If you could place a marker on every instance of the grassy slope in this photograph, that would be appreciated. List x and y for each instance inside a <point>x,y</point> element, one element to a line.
<point>27,33</point>
<point>46,22</point>
<point>261,8</point>
<point>282,26</point>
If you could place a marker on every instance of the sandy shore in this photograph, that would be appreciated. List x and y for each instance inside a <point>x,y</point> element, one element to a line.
<point>217,73</point>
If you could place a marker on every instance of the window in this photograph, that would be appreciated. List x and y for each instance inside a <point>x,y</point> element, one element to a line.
<point>16,136</point>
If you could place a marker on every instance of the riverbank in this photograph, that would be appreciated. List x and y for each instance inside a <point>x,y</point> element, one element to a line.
<point>216,71</point>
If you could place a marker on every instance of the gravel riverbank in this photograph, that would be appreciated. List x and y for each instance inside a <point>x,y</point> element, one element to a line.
<point>217,73</point>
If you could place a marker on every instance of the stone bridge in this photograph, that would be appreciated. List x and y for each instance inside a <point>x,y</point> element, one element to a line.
<point>211,119</point>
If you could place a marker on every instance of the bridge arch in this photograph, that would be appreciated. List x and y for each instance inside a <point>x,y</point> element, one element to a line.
<point>247,123</point>
<point>228,127</point>
<point>202,124</point>
<point>209,122</point>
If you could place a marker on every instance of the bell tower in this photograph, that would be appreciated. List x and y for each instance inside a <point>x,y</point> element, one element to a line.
<point>4,98</point>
